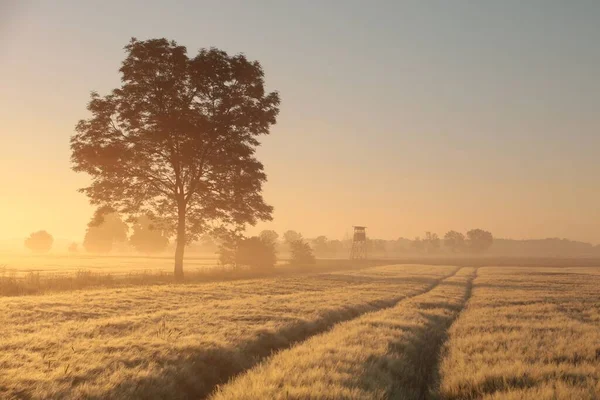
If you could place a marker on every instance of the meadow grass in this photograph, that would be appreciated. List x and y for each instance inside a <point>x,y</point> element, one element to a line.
<point>526,334</point>
<point>179,341</point>
<point>29,281</point>
<point>384,354</point>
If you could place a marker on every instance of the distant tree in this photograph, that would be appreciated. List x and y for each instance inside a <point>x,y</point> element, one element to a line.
<point>302,254</point>
<point>178,140</point>
<point>321,245</point>
<point>291,236</point>
<point>269,236</point>
<point>376,246</point>
<point>227,251</point>
<point>105,229</point>
<point>147,237</point>
<point>417,244</point>
<point>431,242</point>
<point>39,242</point>
<point>257,253</point>
<point>73,248</point>
<point>400,245</point>
<point>455,241</point>
<point>336,247</point>
<point>479,240</point>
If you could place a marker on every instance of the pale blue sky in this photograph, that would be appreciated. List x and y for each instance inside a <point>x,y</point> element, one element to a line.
<point>403,116</point>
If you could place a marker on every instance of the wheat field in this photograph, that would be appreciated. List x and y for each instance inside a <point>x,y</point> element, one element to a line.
<point>386,332</point>
<point>179,341</point>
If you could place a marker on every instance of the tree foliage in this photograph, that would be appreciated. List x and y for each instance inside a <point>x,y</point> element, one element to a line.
<point>301,253</point>
<point>479,240</point>
<point>269,236</point>
<point>105,230</point>
<point>256,253</point>
<point>147,237</point>
<point>39,242</point>
<point>291,236</point>
<point>455,241</point>
<point>177,140</point>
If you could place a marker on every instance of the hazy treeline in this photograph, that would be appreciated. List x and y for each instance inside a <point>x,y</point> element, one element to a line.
<point>112,235</point>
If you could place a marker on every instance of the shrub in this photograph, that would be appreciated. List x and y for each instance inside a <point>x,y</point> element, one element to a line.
<point>256,253</point>
<point>39,242</point>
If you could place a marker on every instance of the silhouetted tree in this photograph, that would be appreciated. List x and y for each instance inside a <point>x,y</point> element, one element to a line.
<point>147,237</point>
<point>39,242</point>
<point>302,254</point>
<point>105,229</point>
<point>177,139</point>
<point>73,248</point>
<point>417,244</point>
<point>479,240</point>
<point>321,245</point>
<point>455,241</point>
<point>257,253</point>
<point>291,236</point>
<point>269,236</point>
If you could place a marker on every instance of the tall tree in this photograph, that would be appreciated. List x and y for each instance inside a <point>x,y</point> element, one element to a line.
<point>177,140</point>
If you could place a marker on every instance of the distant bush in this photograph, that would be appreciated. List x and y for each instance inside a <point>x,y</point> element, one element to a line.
<point>39,242</point>
<point>256,253</point>
<point>302,253</point>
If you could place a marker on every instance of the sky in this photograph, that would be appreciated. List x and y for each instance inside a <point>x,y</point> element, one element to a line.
<point>404,116</point>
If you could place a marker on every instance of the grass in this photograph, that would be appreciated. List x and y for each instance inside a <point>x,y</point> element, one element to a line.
<point>180,341</point>
<point>385,354</point>
<point>384,332</point>
<point>526,334</point>
<point>22,281</point>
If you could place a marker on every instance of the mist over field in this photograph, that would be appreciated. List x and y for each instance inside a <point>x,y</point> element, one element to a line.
<point>299,200</point>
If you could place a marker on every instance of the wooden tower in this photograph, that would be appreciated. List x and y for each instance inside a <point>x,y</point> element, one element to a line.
<point>359,243</point>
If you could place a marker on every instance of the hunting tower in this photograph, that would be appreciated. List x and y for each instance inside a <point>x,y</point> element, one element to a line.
<point>359,243</point>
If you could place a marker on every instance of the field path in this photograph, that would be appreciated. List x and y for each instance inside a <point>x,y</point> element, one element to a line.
<point>390,353</point>
<point>430,388</point>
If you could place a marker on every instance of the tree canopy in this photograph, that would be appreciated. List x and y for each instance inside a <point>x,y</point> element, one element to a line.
<point>147,237</point>
<point>177,141</point>
<point>39,242</point>
<point>105,229</point>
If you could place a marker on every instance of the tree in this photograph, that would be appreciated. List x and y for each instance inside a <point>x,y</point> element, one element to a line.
<point>302,254</point>
<point>321,245</point>
<point>177,140</point>
<point>417,244</point>
<point>39,242</point>
<point>269,236</point>
<point>147,237</point>
<point>291,236</point>
<point>105,229</point>
<point>73,248</point>
<point>479,240</point>
<point>431,242</point>
<point>256,253</point>
<point>455,241</point>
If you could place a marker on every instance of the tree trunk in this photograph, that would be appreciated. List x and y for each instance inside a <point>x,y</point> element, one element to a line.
<point>179,250</point>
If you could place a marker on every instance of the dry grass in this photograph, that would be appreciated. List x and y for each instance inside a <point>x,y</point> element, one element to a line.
<point>385,354</point>
<point>179,341</point>
<point>28,281</point>
<point>526,334</point>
